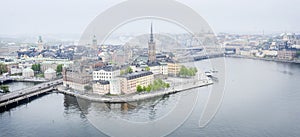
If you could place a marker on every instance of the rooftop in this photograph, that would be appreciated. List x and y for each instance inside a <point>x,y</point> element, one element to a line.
<point>137,75</point>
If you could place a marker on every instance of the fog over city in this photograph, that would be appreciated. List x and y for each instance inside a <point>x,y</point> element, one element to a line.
<point>69,17</point>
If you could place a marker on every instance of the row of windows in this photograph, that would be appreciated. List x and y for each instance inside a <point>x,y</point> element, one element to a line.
<point>102,77</point>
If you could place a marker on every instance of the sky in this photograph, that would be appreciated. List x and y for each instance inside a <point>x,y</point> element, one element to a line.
<point>36,17</point>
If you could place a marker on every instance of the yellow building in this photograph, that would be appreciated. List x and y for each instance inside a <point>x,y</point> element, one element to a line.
<point>101,87</point>
<point>173,68</point>
<point>130,82</point>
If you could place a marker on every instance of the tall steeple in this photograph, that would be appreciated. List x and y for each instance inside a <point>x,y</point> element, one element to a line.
<point>151,48</point>
<point>151,34</point>
<point>40,44</point>
<point>94,43</point>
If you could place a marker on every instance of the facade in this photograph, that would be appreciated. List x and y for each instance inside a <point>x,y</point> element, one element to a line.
<point>114,88</point>
<point>46,65</point>
<point>173,68</point>
<point>28,73</point>
<point>106,73</point>
<point>286,54</point>
<point>151,48</point>
<point>159,68</point>
<point>129,82</point>
<point>50,74</point>
<point>76,77</point>
<point>101,87</point>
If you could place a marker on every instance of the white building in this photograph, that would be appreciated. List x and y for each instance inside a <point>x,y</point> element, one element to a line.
<point>106,73</point>
<point>28,73</point>
<point>50,74</point>
<point>161,68</point>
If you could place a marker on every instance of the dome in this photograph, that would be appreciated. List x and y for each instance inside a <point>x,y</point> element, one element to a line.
<point>50,70</point>
<point>26,70</point>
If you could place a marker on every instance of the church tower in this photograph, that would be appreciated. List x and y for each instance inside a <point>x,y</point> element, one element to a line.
<point>151,48</point>
<point>94,43</point>
<point>40,44</point>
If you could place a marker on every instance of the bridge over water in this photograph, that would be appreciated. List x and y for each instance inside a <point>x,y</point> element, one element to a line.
<point>27,93</point>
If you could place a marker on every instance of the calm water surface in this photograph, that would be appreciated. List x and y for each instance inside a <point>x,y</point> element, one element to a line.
<point>261,99</point>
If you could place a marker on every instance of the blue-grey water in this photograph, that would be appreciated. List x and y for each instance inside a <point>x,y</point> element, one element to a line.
<point>261,99</point>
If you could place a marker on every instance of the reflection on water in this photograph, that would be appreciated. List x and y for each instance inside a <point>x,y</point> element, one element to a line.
<point>260,100</point>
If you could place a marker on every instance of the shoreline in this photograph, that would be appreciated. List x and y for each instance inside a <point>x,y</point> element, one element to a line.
<point>264,59</point>
<point>136,96</point>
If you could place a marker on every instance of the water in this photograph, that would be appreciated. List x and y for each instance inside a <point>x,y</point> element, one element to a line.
<point>261,99</point>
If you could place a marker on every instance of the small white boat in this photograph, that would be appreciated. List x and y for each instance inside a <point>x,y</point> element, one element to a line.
<point>209,73</point>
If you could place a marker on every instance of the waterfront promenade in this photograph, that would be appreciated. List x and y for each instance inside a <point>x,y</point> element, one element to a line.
<point>266,59</point>
<point>178,87</point>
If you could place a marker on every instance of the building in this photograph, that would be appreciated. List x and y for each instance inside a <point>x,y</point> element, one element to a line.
<point>129,82</point>
<point>107,80</point>
<point>48,64</point>
<point>151,48</point>
<point>286,54</point>
<point>173,68</point>
<point>50,74</point>
<point>76,77</point>
<point>94,43</point>
<point>40,44</point>
<point>28,73</point>
<point>101,87</point>
<point>159,69</point>
<point>106,73</point>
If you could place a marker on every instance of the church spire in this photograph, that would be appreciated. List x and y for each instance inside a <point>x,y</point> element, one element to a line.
<point>151,35</point>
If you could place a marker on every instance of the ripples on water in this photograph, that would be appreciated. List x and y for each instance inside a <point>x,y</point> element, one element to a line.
<point>261,99</point>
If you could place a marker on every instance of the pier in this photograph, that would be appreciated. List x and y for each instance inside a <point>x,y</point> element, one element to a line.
<point>27,93</point>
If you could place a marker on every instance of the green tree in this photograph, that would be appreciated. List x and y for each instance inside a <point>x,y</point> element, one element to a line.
<point>36,67</point>
<point>144,88</point>
<point>139,88</point>
<point>129,70</point>
<point>3,68</point>
<point>87,88</point>
<point>122,72</point>
<point>185,72</point>
<point>59,68</point>
<point>147,68</point>
<point>4,88</point>
<point>167,85</point>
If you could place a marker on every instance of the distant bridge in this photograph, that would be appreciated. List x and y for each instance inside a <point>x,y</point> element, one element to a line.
<point>27,93</point>
<point>19,78</point>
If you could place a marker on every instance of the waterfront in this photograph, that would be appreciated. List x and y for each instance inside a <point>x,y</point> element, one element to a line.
<point>261,99</point>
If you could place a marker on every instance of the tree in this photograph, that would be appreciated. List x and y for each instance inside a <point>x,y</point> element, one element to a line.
<point>59,68</point>
<point>36,67</point>
<point>184,71</point>
<point>147,68</point>
<point>122,72</point>
<point>4,88</point>
<point>129,70</point>
<point>144,88</point>
<point>87,88</point>
<point>139,88</point>
<point>3,68</point>
<point>167,85</point>
<point>148,89</point>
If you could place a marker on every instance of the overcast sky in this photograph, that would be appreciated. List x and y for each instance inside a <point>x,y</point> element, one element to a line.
<point>73,16</point>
